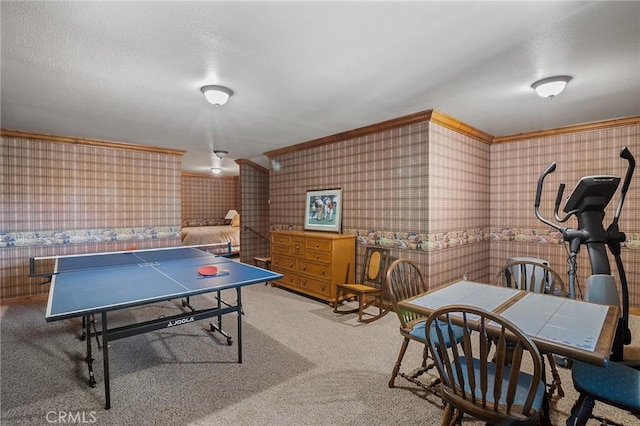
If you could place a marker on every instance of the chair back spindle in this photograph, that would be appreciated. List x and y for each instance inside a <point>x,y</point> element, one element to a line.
<point>499,382</point>
<point>404,280</point>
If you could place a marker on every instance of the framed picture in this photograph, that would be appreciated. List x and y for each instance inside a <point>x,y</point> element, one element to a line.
<point>324,210</point>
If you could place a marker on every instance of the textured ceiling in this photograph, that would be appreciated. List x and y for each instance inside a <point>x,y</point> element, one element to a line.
<point>132,71</point>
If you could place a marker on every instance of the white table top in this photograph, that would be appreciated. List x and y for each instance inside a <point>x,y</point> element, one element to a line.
<point>560,325</point>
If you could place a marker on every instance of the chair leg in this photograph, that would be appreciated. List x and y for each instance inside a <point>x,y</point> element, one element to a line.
<point>447,416</point>
<point>339,293</point>
<point>571,420</point>
<point>360,307</point>
<point>581,411</point>
<point>337,302</point>
<point>384,310</point>
<point>425,356</point>
<point>585,411</point>
<point>556,384</point>
<point>396,367</point>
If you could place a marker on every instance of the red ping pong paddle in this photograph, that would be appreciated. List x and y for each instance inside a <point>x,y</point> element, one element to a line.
<point>207,270</point>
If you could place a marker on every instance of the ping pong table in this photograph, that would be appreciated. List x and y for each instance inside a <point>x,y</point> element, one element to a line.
<point>100,283</point>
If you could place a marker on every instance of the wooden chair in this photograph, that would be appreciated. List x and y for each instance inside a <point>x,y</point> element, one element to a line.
<point>530,276</point>
<point>370,289</point>
<point>490,387</point>
<point>405,280</point>
<point>538,278</point>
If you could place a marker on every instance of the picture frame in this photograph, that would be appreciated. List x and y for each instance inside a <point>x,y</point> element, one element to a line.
<point>323,211</point>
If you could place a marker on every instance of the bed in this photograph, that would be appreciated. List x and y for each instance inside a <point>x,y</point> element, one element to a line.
<point>213,234</point>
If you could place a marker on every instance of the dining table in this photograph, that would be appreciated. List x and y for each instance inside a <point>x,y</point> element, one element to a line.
<point>572,328</point>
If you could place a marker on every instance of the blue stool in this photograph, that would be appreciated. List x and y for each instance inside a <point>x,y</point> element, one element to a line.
<point>616,384</point>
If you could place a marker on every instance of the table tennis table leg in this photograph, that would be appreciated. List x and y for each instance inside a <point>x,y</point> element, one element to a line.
<point>86,331</point>
<point>218,327</point>
<point>105,362</point>
<point>239,313</point>
<point>89,358</point>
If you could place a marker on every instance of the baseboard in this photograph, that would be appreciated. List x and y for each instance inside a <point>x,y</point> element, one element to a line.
<point>40,298</point>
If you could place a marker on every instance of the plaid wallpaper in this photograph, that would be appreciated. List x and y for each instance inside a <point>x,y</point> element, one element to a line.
<point>63,198</point>
<point>383,178</point>
<point>458,206</point>
<point>209,198</point>
<point>515,168</point>
<point>397,185</point>
<point>453,204</point>
<point>254,201</point>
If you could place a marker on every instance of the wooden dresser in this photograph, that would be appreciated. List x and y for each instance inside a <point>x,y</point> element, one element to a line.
<point>313,263</point>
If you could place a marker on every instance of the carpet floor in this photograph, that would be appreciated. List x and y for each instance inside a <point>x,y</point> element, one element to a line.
<point>302,365</point>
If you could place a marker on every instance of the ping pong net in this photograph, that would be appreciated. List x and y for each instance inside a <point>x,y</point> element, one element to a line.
<point>48,266</point>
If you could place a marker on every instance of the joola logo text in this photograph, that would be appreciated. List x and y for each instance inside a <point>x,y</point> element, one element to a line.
<point>180,321</point>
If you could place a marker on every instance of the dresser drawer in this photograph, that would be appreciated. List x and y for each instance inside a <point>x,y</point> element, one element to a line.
<point>322,287</point>
<point>317,269</point>
<point>288,263</point>
<point>318,244</point>
<point>297,247</point>
<point>289,278</point>
<point>281,239</point>
<point>281,249</point>
<point>318,256</point>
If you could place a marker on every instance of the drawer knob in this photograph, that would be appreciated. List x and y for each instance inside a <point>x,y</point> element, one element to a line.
<point>322,272</point>
<point>304,267</point>
<point>317,245</point>
<point>317,256</point>
<point>291,265</point>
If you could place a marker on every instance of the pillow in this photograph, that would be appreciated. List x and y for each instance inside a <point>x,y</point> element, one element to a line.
<point>235,222</point>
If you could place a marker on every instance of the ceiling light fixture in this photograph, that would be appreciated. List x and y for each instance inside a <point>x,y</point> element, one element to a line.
<point>216,170</point>
<point>220,153</point>
<point>217,95</point>
<point>550,87</point>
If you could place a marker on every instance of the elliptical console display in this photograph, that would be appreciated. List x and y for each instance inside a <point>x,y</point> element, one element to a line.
<point>592,193</point>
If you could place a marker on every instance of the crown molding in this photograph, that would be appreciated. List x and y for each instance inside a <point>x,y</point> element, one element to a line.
<point>90,142</point>
<point>569,129</point>
<point>250,163</point>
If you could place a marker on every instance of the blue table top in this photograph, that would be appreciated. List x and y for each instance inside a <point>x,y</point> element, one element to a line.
<point>87,284</point>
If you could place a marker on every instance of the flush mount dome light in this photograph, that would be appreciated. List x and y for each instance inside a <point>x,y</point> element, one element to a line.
<point>217,95</point>
<point>216,170</point>
<point>550,87</point>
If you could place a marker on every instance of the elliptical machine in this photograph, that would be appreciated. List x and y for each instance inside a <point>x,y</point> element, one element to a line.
<point>587,202</point>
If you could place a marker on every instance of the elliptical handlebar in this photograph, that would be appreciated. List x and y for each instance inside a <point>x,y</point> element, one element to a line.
<point>550,169</point>
<point>626,154</point>
<point>557,206</point>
